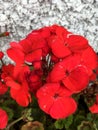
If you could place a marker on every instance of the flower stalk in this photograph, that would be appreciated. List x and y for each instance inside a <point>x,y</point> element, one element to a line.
<point>12,123</point>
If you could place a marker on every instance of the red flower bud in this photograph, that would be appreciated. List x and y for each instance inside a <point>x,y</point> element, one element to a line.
<point>1,54</point>
<point>4,34</point>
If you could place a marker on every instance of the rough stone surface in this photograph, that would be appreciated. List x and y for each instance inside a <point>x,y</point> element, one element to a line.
<point>20,17</point>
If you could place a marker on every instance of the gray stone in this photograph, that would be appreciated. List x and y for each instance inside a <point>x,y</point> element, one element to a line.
<point>20,17</point>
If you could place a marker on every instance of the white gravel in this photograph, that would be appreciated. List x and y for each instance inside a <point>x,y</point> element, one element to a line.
<point>22,16</point>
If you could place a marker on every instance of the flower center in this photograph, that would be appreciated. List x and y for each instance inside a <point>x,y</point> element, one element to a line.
<point>56,95</point>
<point>67,72</point>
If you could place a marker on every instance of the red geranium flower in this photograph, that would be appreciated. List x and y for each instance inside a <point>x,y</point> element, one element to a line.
<point>64,43</point>
<point>25,52</point>
<point>3,119</point>
<point>73,75</point>
<point>19,89</point>
<point>55,100</point>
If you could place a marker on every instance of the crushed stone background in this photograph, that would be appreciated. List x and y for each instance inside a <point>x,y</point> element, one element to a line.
<point>20,17</point>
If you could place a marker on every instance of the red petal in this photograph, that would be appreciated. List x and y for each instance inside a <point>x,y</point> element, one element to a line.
<point>89,59</point>
<point>94,108</point>
<point>47,89</point>
<point>3,88</point>
<point>77,43</point>
<point>16,55</point>
<point>62,108</point>
<point>11,83</point>
<point>45,103</point>
<point>26,45</point>
<point>57,74</point>
<point>46,95</point>
<point>15,45</point>
<point>59,49</point>
<point>22,98</point>
<point>59,70</point>
<point>77,80</point>
<point>3,119</point>
<point>34,56</point>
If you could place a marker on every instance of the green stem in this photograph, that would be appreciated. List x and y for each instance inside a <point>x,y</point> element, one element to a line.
<point>12,123</point>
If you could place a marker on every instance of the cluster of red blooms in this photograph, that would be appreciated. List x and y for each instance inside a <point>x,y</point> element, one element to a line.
<point>53,64</point>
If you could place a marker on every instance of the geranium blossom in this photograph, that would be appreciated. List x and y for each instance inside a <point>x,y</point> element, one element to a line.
<point>73,75</point>
<point>64,43</point>
<point>19,87</point>
<point>55,100</point>
<point>52,63</point>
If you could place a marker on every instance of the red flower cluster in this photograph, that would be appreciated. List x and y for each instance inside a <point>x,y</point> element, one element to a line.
<point>53,64</point>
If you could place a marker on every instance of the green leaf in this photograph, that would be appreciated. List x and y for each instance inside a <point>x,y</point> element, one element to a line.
<point>78,119</point>
<point>86,125</point>
<point>27,114</point>
<point>68,121</point>
<point>59,124</point>
<point>95,120</point>
<point>89,117</point>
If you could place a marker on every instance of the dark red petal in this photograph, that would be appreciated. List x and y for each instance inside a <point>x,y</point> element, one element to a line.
<point>3,88</point>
